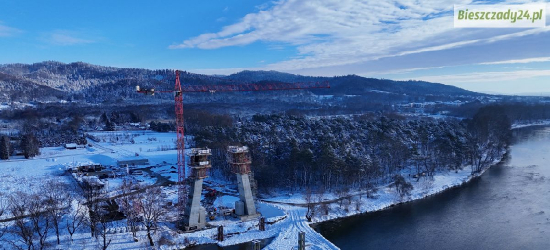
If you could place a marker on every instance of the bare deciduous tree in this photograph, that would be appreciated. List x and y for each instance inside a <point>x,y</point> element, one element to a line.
<point>129,204</point>
<point>320,196</point>
<point>103,225</point>
<point>343,198</point>
<point>99,221</point>
<point>92,194</point>
<point>3,208</point>
<point>76,218</point>
<point>41,221</point>
<point>31,222</point>
<point>21,228</point>
<point>358,204</point>
<point>308,197</point>
<point>56,197</point>
<point>402,186</point>
<point>152,211</point>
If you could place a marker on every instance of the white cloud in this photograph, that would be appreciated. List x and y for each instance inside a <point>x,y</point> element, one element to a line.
<point>525,60</point>
<point>6,31</point>
<point>396,71</point>
<point>227,71</point>
<point>265,6</point>
<point>66,38</point>
<point>409,70</point>
<point>478,77</point>
<point>340,32</point>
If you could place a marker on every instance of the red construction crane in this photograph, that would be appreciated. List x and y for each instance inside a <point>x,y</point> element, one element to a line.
<point>178,91</point>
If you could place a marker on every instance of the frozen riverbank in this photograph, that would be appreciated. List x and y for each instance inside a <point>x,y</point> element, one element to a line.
<point>530,123</point>
<point>359,204</point>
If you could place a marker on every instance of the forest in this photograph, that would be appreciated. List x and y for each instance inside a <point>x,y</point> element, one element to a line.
<point>331,153</point>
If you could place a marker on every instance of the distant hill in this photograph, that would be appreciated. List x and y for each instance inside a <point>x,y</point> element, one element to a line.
<point>21,89</point>
<point>83,82</point>
<point>357,85</point>
<point>262,75</point>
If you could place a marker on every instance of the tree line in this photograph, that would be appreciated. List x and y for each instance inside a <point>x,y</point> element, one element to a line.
<point>297,152</point>
<point>524,111</point>
<point>28,144</point>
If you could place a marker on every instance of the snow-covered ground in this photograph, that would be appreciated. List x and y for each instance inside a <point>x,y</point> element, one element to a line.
<point>532,123</point>
<point>292,226</point>
<point>384,197</point>
<point>285,213</point>
<point>359,203</point>
<point>19,174</point>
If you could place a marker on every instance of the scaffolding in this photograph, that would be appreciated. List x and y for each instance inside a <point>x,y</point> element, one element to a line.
<point>239,159</point>
<point>199,162</point>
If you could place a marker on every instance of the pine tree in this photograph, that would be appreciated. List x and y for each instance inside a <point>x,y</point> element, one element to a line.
<point>4,147</point>
<point>109,126</point>
<point>30,146</point>
<point>103,117</point>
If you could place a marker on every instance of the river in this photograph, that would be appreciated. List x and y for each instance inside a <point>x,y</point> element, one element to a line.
<point>508,207</point>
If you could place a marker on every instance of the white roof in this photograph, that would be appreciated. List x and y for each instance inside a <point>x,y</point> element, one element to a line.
<point>201,151</point>
<point>237,149</point>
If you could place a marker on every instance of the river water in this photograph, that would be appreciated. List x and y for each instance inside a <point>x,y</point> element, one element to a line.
<point>506,208</point>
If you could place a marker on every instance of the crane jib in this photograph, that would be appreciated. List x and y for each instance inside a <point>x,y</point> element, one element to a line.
<point>254,87</point>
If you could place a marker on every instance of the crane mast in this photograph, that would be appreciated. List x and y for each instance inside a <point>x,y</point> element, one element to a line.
<point>178,98</point>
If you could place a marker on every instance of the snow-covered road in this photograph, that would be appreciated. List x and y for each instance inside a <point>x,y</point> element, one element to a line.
<point>291,226</point>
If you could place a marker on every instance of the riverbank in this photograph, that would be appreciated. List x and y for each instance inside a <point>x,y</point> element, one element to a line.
<point>357,203</point>
<point>424,188</point>
<point>506,208</point>
<point>285,230</point>
<point>530,124</point>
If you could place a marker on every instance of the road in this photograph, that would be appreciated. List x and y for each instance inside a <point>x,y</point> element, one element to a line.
<point>293,224</point>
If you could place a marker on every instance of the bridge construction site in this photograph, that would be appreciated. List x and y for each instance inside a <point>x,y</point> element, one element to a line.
<point>190,188</point>
<point>196,205</point>
<point>239,159</point>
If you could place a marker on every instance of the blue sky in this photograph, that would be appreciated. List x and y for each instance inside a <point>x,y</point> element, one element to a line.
<point>399,39</point>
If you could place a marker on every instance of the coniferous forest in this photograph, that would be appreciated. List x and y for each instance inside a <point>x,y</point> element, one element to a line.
<point>329,153</point>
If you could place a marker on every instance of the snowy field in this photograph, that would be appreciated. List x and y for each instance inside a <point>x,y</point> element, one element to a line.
<point>19,174</point>
<point>284,213</point>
